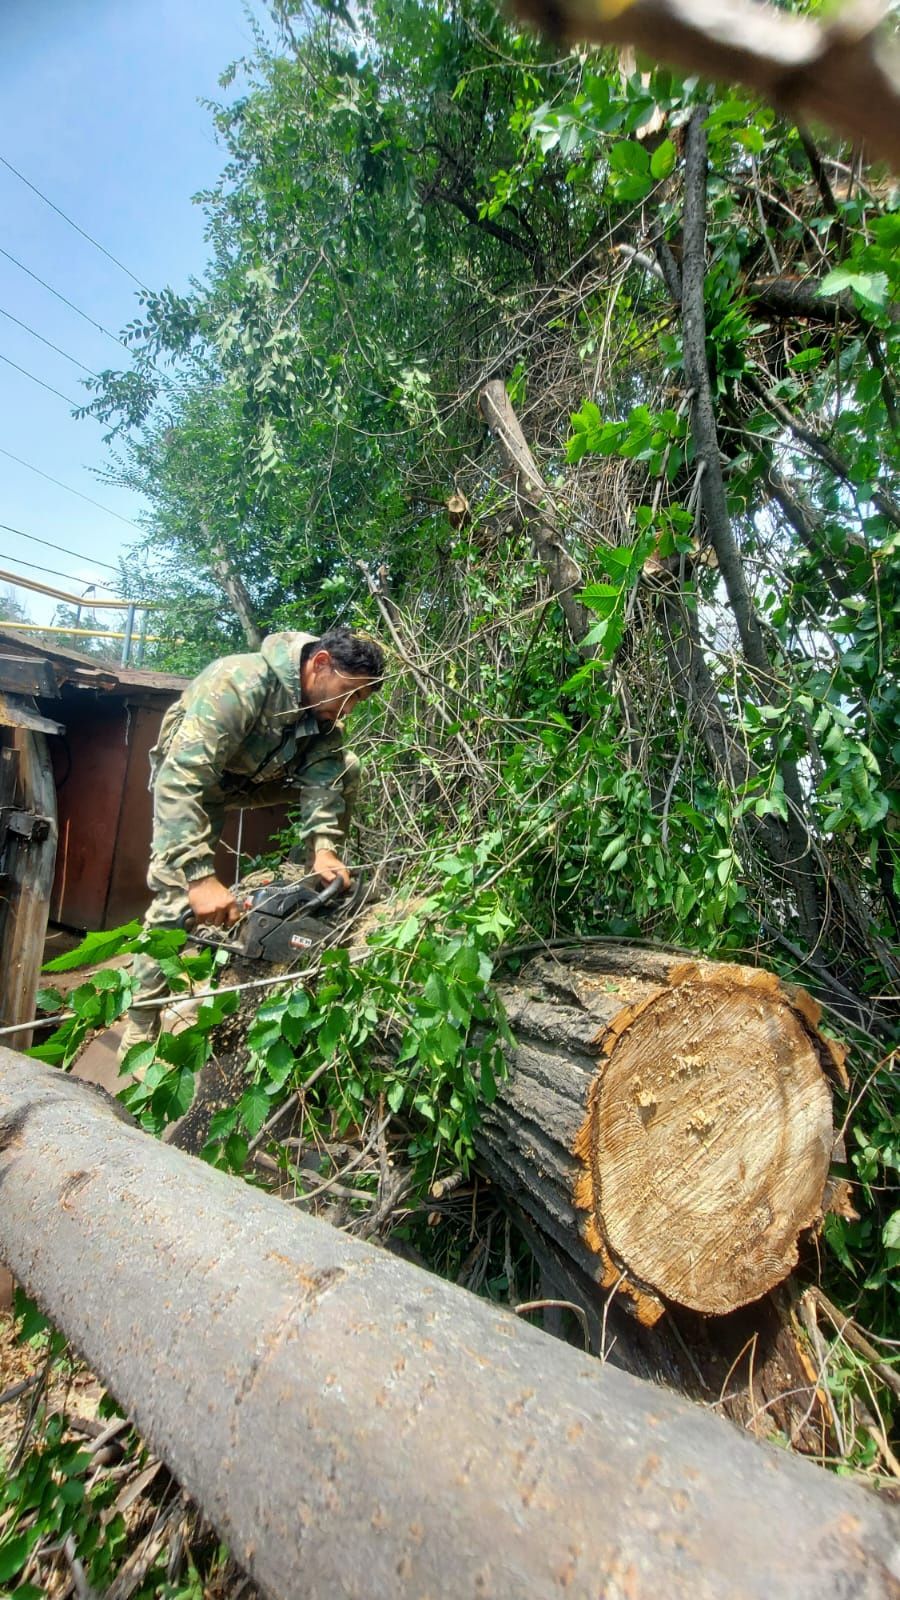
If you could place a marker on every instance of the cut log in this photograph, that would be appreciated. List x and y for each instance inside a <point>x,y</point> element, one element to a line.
<point>666,1121</point>
<point>355,1427</point>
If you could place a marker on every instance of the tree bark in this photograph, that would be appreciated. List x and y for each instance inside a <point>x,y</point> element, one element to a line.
<point>353,1426</point>
<point>236,590</point>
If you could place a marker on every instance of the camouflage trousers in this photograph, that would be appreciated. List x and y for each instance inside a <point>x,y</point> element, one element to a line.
<point>170,896</point>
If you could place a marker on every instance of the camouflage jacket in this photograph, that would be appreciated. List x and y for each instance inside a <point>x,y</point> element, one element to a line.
<point>237,727</point>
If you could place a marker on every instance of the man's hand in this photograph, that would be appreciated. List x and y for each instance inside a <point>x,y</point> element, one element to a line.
<point>210,901</point>
<point>327,866</point>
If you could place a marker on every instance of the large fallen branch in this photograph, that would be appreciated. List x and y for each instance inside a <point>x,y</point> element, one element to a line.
<point>355,1427</point>
<point>845,70</point>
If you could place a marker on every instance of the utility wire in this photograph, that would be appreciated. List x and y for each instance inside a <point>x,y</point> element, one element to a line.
<point>75,404</point>
<point>54,572</point>
<point>102,248</point>
<point>70,303</point>
<point>61,548</point>
<point>48,342</point>
<point>68,487</point>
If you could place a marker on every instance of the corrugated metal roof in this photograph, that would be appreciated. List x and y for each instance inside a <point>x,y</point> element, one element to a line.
<point>73,666</point>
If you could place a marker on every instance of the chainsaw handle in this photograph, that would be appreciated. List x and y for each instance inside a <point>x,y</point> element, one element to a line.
<point>325,896</point>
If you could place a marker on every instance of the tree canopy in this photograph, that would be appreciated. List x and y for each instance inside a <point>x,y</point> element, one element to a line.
<point>643,631</point>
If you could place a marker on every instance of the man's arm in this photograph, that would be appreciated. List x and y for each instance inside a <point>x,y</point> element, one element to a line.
<point>221,707</point>
<point>324,809</point>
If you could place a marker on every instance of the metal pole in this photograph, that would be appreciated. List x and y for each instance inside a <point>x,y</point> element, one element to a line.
<point>354,1426</point>
<point>129,631</point>
<point>142,639</point>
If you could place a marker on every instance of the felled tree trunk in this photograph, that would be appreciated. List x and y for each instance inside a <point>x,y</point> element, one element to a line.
<point>666,1135</point>
<point>354,1427</point>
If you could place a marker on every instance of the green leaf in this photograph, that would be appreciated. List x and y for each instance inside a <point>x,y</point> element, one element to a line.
<point>466,965</point>
<point>804,360</point>
<point>136,1060</point>
<point>48,1000</point>
<point>628,156</point>
<point>14,1552</point>
<point>332,1030</point>
<point>890,1233</point>
<point>254,1108</point>
<point>395,1094</point>
<point>870,286</point>
<point>662,161</point>
<point>223,1123</point>
<point>96,947</point>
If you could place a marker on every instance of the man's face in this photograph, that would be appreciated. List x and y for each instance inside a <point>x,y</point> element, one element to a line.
<point>331,694</point>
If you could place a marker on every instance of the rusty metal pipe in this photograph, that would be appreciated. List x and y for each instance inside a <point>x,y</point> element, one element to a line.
<point>356,1427</point>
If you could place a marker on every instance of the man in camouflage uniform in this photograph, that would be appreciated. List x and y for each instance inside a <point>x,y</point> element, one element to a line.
<point>252,730</point>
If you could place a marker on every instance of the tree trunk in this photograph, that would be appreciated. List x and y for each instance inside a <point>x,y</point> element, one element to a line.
<point>353,1426</point>
<point>671,1114</point>
<point>234,587</point>
<point>666,1131</point>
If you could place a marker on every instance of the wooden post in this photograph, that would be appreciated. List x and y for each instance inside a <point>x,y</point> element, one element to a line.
<point>354,1426</point>
<point>27,860</point>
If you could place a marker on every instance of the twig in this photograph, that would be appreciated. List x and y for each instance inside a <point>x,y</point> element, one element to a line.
<point>848,1330</point>
<point>19,1388</point>
<point>557,1305</point>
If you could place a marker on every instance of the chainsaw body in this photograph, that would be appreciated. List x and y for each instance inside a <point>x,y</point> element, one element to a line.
<point>282,922</point>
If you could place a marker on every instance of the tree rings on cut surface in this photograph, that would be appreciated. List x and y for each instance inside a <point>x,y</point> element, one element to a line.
<point>708,1137</point>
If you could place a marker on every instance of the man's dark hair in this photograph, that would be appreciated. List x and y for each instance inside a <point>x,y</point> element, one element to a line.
<point>357,654</point>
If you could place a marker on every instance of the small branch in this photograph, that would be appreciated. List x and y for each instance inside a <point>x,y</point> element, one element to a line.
<point>430,696</point>
<point>853,1335</point>
<point>527,1306</point>
<point>703,421</point>
<point>806,525</point>
<point>820,447</point>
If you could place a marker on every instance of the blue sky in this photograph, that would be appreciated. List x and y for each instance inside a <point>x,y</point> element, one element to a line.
<point>100,111</point>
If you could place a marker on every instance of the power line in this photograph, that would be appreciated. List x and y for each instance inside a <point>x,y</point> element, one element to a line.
<point>102,248</point>
<point>70,303</point>
<point>75,404</point>
<point>61,548</point>
<point>48,342</point>
<point>54,572</point>
<point>67,486</point>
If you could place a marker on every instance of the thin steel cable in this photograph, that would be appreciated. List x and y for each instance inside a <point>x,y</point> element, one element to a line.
<point>75,404</point>
<point>70,303</point>
<point>48,342</point>
<point>68,487</point>
<point>60,213</point>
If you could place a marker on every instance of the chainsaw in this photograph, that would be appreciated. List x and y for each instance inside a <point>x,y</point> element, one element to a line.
<point>281,922</point>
